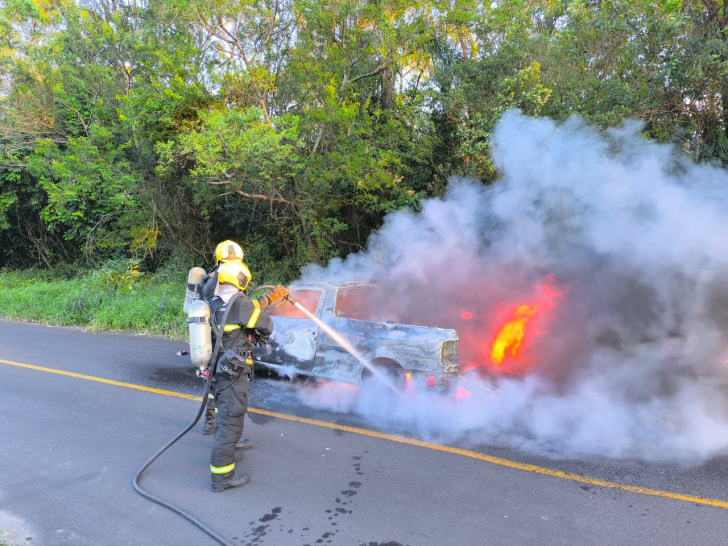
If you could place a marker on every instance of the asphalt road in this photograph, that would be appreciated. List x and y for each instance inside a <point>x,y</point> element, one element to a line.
<point>71,446</point>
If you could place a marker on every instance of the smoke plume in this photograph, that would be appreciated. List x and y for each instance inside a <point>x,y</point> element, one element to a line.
<point>624,245</point>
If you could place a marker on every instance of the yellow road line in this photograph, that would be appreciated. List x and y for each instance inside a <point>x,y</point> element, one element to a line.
<point>408,441</point>
<point>499,461</point>
<point>102,380</point>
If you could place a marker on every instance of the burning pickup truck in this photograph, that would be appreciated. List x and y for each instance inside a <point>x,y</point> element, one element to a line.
<point>347,308</point>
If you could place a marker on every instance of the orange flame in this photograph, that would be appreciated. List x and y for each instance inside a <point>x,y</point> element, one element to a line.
<point>510,336</point>
<point>517,327</point>
<point>504,340</point>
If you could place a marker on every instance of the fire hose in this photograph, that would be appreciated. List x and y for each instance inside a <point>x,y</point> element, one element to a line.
<point>218,330</point>
<point>135,483</point>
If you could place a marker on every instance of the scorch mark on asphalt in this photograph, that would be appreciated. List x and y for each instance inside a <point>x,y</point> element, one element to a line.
<point>402,440</point>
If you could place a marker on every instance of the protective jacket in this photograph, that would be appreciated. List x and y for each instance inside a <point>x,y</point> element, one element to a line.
<point>245,315</point>
<point>232,370</point>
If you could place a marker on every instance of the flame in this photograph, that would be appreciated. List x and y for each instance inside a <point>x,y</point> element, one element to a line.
<point>510,336</point>
<point>520,325</point>
<point>511,329</point>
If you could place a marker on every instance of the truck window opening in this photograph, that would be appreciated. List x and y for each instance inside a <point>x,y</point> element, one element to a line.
<point>308,298</point>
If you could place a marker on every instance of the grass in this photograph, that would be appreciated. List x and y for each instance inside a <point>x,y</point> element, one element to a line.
<point>115,298</point>
<point>4,539</point>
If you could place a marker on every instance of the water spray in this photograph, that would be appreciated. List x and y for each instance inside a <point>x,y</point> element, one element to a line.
<point>336,336</point>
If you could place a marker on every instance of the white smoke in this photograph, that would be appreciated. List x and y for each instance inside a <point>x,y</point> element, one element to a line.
<point>633,361</point>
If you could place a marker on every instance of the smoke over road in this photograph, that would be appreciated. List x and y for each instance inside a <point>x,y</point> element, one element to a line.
<point>613,255</point>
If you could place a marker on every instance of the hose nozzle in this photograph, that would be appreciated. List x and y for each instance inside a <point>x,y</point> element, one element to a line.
<point>285,299</point>
<point>291,300</point>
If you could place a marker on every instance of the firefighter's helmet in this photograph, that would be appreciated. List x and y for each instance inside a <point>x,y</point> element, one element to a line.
<point>235,273</point>
<point>228,251</point>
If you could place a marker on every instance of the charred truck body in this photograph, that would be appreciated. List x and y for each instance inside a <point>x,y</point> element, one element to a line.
<point>428,352</point>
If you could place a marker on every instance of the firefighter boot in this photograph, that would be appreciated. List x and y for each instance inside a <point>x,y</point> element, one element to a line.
<point>209,426</point>
<point>221,482</point>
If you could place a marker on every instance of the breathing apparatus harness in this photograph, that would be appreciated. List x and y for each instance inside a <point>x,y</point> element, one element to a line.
<point>210,377</point>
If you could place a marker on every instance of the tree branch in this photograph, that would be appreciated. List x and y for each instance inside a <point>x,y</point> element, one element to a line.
<point>378,70</point>
<point>78,115</point>
<point>263,197</point>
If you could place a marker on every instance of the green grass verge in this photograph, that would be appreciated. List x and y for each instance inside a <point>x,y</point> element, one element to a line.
<point>114,298</point>
<point>4,539</point>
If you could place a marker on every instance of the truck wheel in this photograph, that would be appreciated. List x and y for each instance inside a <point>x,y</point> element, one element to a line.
<point>388,367</point>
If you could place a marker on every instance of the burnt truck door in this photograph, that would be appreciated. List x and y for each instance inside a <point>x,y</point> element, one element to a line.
<point>348,310</point>
<point>295,336</point>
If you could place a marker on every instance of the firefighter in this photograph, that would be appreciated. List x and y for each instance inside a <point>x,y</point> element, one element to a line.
<point>234,366</point>
<point>227,251</point>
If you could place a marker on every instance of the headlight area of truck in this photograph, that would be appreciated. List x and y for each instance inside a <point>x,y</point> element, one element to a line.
<point>450,367</point>
<point>449,357</point>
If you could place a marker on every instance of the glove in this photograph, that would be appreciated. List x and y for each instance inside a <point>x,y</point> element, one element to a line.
<point>279,293</point>
<point>259,340</point>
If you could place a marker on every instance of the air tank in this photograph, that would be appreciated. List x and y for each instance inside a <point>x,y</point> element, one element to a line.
<point>194,287</point>
<point>200,333</point>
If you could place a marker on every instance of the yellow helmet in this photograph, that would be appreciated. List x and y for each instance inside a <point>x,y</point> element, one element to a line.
<point>228,251</point>
<point>235,273</point>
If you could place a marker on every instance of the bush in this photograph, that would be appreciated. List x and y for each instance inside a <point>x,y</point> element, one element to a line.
<point>117,297</point>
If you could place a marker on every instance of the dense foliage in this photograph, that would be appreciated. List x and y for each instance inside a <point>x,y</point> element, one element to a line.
<point>105,299</point>
<point>151,129</point>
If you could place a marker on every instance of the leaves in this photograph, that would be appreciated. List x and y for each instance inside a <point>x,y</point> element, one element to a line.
<point>150,131</point>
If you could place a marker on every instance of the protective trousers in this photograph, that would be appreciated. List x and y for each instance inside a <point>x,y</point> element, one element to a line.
<point>231,401</point>
<point>209,424</point>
